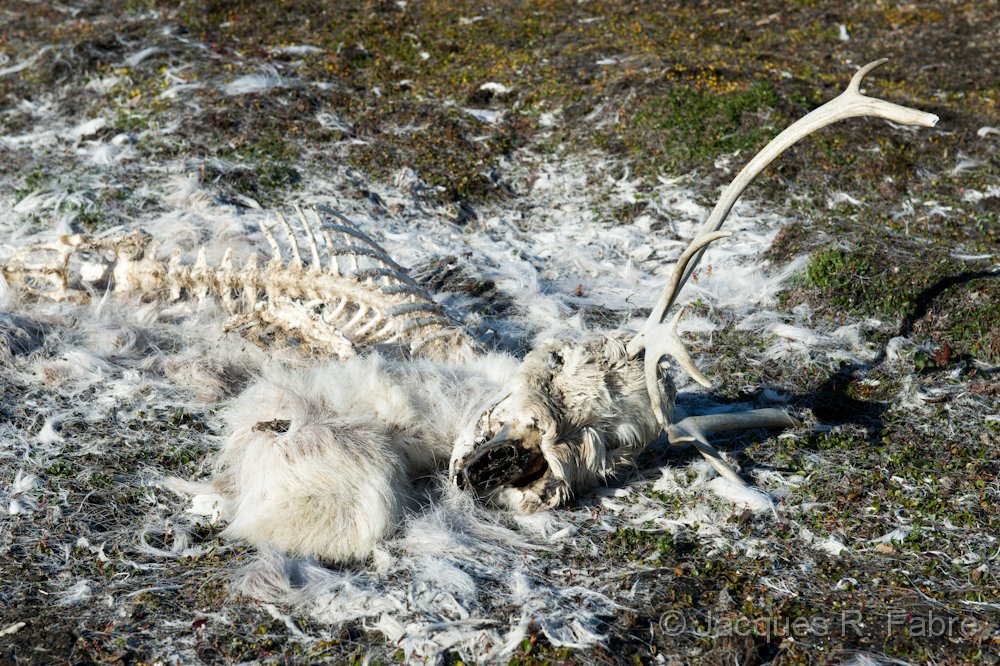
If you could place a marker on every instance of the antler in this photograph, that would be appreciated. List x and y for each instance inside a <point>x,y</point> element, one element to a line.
<point>658,339</point>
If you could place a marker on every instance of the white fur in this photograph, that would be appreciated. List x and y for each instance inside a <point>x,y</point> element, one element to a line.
<point>360,437</point>
<point>265,80</point>
<point>326,461</point>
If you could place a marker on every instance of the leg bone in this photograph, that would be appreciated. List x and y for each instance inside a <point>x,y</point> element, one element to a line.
<point>694,430</point>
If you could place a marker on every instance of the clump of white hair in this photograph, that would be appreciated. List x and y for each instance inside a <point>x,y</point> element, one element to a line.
<point>326,461</point>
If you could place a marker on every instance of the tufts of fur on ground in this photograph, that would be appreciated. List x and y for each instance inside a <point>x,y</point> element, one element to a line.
<point>103,407</point>
<point>437,585</point>
<point>444,575</point>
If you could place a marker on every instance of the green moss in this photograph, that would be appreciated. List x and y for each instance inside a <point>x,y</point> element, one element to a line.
<point>835,270</point>
<point>60,469</point>
<point>632,544</point>
<point>35,179</point>
<point>269,171</point>
<point>690,124</point>
<point>536,651</point>
<point>139,6</point>
<point>89,221</point>
<point>939,298</point>
<point>861,282</point>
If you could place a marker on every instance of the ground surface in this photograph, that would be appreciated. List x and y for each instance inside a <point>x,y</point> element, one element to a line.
<point>884,541</point>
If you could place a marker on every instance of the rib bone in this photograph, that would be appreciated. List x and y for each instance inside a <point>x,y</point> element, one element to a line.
<point>330,312</point>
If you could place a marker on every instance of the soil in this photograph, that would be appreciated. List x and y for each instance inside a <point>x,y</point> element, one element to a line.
<point>681,85</point>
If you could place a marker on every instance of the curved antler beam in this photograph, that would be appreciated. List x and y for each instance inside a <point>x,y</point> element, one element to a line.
<point>657,339</point>
<point>849,104</point>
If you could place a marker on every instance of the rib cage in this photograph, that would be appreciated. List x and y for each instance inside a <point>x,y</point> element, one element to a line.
<point>326,285</point>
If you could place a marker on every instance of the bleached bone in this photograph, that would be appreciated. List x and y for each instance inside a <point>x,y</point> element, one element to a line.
<point>545,435</point>
<point>695,430</point>
<point>346,294</point>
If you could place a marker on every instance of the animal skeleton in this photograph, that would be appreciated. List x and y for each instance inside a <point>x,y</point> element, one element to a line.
<point>324,462</point>
<point>346,294</point>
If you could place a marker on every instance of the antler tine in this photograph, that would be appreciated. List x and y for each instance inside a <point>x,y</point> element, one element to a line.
<point>665,340</point>
<point>849,104</point>
<point>695,429</point>
<point>680,270</point>
<point>668,343</point>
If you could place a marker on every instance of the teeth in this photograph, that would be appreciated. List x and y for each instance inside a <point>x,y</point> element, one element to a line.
<point>502,462</point>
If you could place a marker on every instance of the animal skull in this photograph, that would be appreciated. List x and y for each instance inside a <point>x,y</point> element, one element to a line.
<point>575,414</point>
